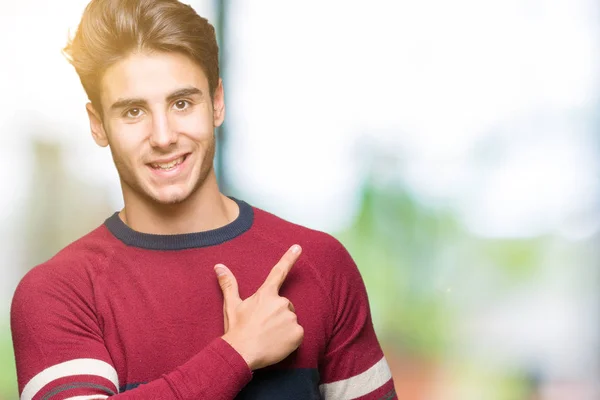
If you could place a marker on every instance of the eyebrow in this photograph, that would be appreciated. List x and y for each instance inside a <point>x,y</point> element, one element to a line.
<point>185,92</point>
<point>139,102</point>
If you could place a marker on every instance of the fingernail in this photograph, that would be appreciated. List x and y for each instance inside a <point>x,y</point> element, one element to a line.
<point>220,269</point>
<point>295,249</point>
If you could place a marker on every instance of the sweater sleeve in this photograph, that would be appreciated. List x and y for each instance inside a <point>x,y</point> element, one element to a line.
<point>354,366</point>
<point>60,351</point>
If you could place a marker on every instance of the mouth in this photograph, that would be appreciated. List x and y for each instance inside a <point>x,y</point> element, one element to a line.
<point>169,165</point>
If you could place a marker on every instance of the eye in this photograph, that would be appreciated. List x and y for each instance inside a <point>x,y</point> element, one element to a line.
<point>133,113</point>
<point>181,105</point>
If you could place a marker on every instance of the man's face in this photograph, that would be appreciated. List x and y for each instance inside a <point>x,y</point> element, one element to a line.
<point>159,120</point>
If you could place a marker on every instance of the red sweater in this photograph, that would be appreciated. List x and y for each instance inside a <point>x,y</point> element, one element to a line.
<point>139,316</point>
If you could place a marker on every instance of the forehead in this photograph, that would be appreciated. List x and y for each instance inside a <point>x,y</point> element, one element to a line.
<point>151,76</point>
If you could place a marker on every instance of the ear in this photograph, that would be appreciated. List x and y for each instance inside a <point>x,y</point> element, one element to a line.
<point>219,104</point>
<point>96,126</point>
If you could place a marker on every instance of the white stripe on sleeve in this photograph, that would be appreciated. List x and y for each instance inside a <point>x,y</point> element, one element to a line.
<point>92,397</point>
<point>80,366</point>
<point>358,385</point>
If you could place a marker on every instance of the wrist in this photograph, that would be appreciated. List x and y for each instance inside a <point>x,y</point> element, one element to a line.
<point>241,350</point>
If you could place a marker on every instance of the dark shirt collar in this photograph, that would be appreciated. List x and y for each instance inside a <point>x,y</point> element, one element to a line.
<point>124,233</point>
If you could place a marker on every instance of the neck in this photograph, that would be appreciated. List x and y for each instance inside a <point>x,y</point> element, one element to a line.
<point>206,209</point>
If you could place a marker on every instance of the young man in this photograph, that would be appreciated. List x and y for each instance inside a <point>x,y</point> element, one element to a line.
<point>185,293</point>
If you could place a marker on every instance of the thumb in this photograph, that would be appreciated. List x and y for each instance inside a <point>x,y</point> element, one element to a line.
<point>229,286</point>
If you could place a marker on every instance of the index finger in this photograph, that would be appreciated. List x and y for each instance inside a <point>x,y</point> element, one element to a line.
<point>282,268</point>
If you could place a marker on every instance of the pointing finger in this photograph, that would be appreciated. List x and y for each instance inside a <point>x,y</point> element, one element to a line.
<point>282,268</point>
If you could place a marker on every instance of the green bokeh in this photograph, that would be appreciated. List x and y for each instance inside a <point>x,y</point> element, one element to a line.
<point>8,375</point>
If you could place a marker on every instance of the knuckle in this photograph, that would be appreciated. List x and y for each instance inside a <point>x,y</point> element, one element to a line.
<point>284,302</point>
<point>279,270</point>
<point>226,284</point>
<point>299,332</point>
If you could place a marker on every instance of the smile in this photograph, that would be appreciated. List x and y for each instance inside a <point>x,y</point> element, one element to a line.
<point>167,166</point>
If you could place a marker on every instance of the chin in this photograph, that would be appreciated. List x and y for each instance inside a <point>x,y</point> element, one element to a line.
<point>169,195</point>
<point>170,198</point>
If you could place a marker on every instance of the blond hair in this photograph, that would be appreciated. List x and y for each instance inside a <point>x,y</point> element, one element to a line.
<point>110,30</point>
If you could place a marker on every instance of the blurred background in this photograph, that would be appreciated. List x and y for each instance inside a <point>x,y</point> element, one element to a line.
<point>452,147</point>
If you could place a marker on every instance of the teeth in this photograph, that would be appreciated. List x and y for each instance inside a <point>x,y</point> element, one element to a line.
<point>168,165</point>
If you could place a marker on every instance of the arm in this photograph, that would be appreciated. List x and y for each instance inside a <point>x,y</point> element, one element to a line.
<point>354,366</point>
<point>60,352</point>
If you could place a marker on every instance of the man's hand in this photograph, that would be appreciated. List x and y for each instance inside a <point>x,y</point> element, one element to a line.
<point>263,328</point>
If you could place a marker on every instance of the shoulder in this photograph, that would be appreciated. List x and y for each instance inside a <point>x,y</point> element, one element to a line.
<point>73,267</point>
<point>324,253</point>
<point>325,258</point>
<point>319,243</point>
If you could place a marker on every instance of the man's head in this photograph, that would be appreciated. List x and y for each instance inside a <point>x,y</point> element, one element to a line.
<point>150,69</point>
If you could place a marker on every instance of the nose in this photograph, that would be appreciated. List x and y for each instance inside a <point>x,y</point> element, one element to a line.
<point>162,135</point>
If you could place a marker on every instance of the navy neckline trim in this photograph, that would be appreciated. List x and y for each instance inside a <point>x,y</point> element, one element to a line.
<point>213,237</point>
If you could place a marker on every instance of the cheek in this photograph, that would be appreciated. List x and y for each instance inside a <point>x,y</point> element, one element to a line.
<point>127,140</point>
<point>198,125</point>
